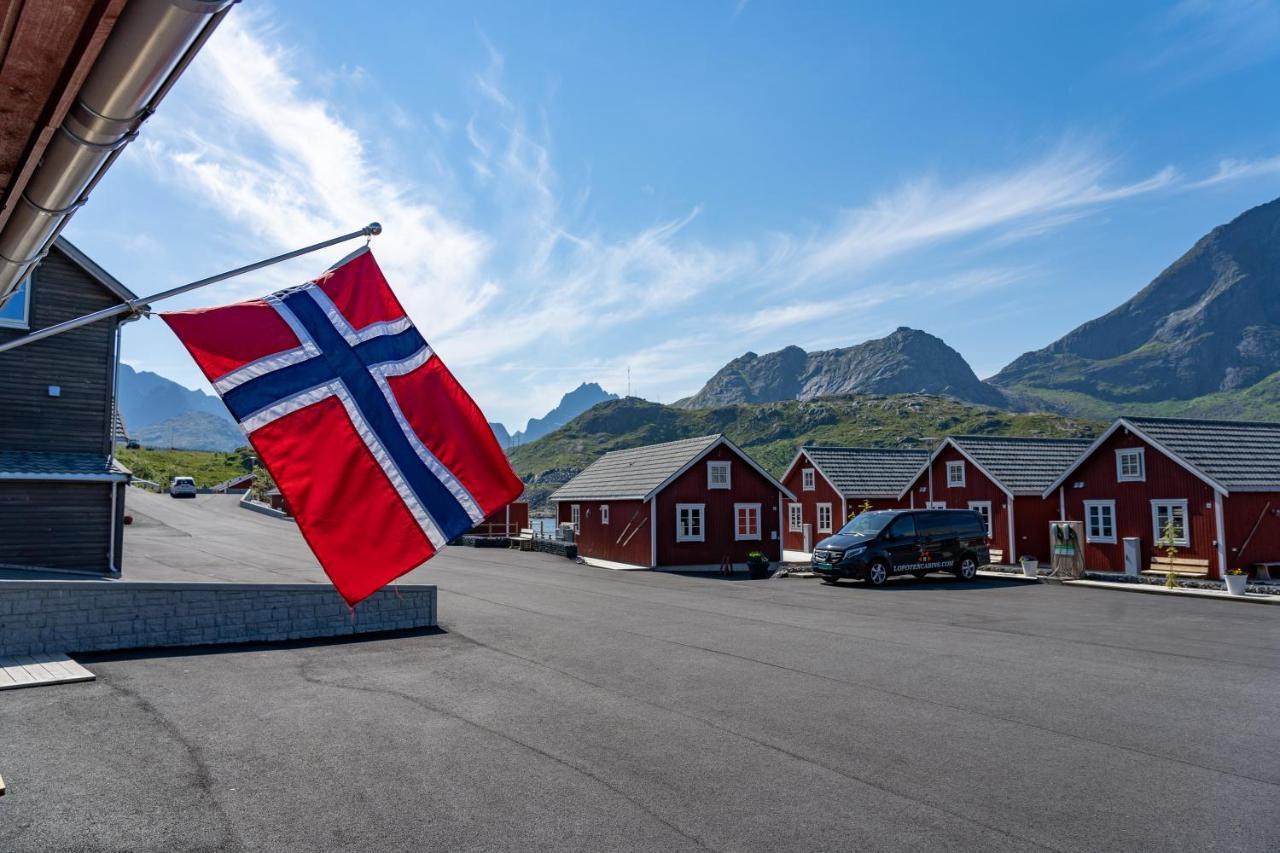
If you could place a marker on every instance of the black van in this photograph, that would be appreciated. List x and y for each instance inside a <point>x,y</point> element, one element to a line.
<point>875,546</point>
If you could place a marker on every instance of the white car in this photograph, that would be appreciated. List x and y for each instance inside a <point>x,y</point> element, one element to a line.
<point>182,487</point>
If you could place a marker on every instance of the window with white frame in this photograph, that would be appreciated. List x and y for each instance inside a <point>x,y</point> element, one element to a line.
<point>1131,465</point>
<point>689,523</point>
<point>717,475</point>
<point>746,523</point>
<point>824,518</point>
<point>955,473</point>
<point>1100,521</point>
<point>983,508</point>
<point>807,480</point>
<point>795,517</point>
<point>1169,520</point>
<point>575,517</point>
<point>604,513</point>
<point>15,313</point>
<point>935,505</point>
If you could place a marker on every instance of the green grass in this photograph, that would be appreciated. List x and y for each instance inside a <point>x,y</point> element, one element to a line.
<point>1259,402</point>
<point>207,467</point>
<point>772,432</point>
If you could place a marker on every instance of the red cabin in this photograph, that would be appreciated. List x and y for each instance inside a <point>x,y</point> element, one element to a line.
<point>831,484</point>
<point>1210,490</point>
<point>1003,478</point>
<point>688,504</point>
<point>505,522</point>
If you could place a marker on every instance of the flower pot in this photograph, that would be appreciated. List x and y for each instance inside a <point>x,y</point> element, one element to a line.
<point>758,570</point>
<point>1031,567</point>
<point>1236,584</point>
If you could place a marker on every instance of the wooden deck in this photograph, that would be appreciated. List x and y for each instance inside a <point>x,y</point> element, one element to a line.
<point>37,670</point>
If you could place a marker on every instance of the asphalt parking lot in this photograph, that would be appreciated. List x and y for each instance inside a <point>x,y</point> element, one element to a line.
<point>562,707</point>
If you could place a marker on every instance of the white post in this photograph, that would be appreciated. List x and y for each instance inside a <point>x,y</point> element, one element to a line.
<point>1221,526</point>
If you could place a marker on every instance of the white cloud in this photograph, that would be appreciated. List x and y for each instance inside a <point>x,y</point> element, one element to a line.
<point>1235,170</point>
<point>501,273</point>
<point>1206,38</point>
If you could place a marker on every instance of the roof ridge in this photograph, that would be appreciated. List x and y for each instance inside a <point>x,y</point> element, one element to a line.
<point>1204,421</point>
<point>877,449</point>
<point>711,436</point>
<point>1045,439</point>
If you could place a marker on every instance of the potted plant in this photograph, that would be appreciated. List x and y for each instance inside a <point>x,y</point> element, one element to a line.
<point>758,564</point>
<point>1030,567</point>
<point>1237,580</point>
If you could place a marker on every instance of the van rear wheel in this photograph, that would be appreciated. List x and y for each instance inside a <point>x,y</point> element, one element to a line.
<point>967,568</point>
<point>877,573</point>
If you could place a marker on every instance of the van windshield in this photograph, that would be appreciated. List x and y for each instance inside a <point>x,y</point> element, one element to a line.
<point>868,523</point>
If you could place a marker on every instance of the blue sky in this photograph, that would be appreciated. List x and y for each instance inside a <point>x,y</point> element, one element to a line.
<point>571,189</point>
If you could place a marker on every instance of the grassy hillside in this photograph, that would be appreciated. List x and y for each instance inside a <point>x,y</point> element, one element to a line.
<point>207,467</point>
<point>1260,402</point>
<point>771,432</point>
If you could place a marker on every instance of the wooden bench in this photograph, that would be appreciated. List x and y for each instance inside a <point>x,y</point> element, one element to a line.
<point>997,556</point>
<point>1187,567</point>
<point>1262,571</point>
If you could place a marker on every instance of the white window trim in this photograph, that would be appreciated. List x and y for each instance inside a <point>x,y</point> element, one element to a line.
<point>1088,532</point>
<point>795,520</point>
<point>604,513</point>
<point>935,505</point>
<point>575,517</point>
<point>738,535</point>
<point>1185,541</point>
<point>702,523</point>
<point>955,465</point>
<point>25,296</point>
<point>974,505</point>
<point>1140,453</point>
<point>728,474</point>
<point>830,517</point>
<point>808,479</point>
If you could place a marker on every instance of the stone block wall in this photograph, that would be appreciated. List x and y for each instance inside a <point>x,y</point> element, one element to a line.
<point>91,615</point>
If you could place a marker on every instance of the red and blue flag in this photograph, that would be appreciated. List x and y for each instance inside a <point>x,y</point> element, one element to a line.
<point>380,454</point>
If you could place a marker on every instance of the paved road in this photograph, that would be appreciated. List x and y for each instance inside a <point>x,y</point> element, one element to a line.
<point>563,707</point>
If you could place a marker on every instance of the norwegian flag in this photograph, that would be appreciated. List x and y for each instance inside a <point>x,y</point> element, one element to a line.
<point>382,456</point>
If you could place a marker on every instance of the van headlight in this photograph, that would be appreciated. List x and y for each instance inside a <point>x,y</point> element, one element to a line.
<point>853,552</point>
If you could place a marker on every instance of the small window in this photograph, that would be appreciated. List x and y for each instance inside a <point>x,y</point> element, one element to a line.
<point>903,527</point>
<point>824,518</point>
<point>955,474</point>
<point>807,480</point>
<point>1100,521</point>
<point>689,523</point>
<point>1169,520</point>
<point>575,517</point>
<point>1130,465</point>
<point>717,475</point>
<point>746,521</point>
<point>795,517</point>
<point>604,513</point>
<point>983,508</point>
<point>935,505</point>
<point>14,313</point>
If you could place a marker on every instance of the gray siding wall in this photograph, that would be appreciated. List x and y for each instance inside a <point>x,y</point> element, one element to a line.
<point>79,362</point>
<point>57,525</point>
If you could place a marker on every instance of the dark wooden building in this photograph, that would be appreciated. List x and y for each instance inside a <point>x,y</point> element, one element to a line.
<point>684,504</point>
<point>831,484</point>
<point>61,490</point>
<point>1213,485</point>
<point>1003,478</point>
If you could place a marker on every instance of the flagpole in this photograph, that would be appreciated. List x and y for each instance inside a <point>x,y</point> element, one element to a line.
<point>132,306</point>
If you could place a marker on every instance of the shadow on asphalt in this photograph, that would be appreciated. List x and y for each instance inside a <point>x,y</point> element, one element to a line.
<point>901,584</point>
<point>232,648</point>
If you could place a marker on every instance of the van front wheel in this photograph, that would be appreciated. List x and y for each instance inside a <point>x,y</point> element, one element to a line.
<point>877,573</point>
<point>967,568</point>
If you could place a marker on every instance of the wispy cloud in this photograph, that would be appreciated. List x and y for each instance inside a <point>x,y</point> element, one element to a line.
<point>496,259</point>
<point>1235,170</point>
<point>1206,38</point>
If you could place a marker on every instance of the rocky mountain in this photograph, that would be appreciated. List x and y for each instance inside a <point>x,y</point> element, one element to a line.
<point>907,361</point>
<point>147,398</point>
<point>571,405</point>
<point>1202,338</point>
<point>191,431</point>
<point>500,433</point>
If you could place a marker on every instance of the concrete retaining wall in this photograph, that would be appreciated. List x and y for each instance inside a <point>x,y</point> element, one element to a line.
<point>85,616</point>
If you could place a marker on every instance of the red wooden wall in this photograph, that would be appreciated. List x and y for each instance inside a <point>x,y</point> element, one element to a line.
<point>508,521</point>
<point>1165,479</point>
<point>1241,511</point>
<point>747,487</point>
<point>822,493</point>
<point>625,539</point>
<point>977,487</point>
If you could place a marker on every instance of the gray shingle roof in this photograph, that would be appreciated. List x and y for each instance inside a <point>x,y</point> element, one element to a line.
<point>1022,465</point>
<point>32,465</point>
<point>868,472</point>
<point>1240,456</point>
<point>631,474</point>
